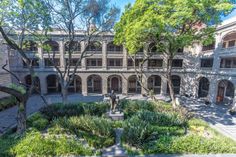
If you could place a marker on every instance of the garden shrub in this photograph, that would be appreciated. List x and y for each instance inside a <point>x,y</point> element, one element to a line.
<point>97,131</point>
<point>7,102</point>
<point>37,121</point>
<point>132,107</point>
<point>59,110</point>
<point>160,119</point>
<point>35,144</point>
<point>137,132</point>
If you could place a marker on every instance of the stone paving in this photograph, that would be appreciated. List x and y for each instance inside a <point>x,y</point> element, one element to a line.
<point>216,115</point>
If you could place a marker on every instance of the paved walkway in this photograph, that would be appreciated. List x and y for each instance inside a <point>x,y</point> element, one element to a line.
<point>8,117</point>
<point>115,150</point>
<point>216,115</point>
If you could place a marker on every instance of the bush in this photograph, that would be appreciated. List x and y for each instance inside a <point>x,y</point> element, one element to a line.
<point>35,144</point>
<point>7,102</point>
<point>137,132</point>
<point>37,121</point>
<point>98,132</point>
<point>160,119</point>
<point>132,107</point>
<point>60,110</point>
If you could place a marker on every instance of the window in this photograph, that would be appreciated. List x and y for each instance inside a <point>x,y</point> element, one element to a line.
<point>73,61</point>
<point>207,63</point>
<point>177,63</point>
<point>208,47</point>
<point>155,63</point>
<point>114,48</point>
<point>229,40</point>
<point>94,62</point>
<point>180,50</point>
<point>51,46</point>
<point>49,62</point>
<point>94,46</point>
<point>34,62</point>
<point>137,62</point>
<point>114,62</point>
<point>74,47</point>
<point>231,43</point>
<point>228,63</point>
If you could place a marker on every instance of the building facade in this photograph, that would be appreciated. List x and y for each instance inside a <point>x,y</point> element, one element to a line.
<point>201,71</point>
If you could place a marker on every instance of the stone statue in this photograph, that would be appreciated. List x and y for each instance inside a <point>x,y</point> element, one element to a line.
<point>113,101</point>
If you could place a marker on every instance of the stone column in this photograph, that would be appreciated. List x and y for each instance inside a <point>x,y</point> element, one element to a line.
<point>144,85</point>
<point>125,58</point>
<point>41,59</point>
<point>163,86</point>
<point>62,54</point>
<point>213,89</point>
<point>84,85</point>
<point>43,83</point>
<point>83,61</point>
<point>104,55</point>
<point>104,85</point>
<point>124,85</point>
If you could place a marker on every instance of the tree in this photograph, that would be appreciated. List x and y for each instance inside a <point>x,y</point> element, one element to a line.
<point>85,18</point>
<point>20,20</point>
<point>171,25</point>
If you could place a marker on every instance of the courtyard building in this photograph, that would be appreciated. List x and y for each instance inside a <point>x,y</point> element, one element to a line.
<point>203,71</point>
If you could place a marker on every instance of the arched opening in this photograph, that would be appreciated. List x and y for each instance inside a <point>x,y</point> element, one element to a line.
<point>114,83</point>
<point>176,81</point>
<point>30,46</point>
<point>154,84</point>
<point>94,83</point>
<point>114,48</point>
<point>203,88</point>
<point>53,85</point>
<point>74,47</point>
<point>94,46</point>
<point>76,85</point>
<point>225,92</point>
<point>229,40</point>
<point>28,82</point>
<point>51,46</point>
<point>134,86</point>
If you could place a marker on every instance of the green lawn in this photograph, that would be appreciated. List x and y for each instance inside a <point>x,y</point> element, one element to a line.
<point>84,129</point>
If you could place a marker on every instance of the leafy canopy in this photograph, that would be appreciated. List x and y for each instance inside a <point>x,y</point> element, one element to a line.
<point>169,24</point>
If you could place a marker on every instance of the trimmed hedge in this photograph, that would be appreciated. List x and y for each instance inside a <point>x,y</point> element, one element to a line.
<point>59,110</point>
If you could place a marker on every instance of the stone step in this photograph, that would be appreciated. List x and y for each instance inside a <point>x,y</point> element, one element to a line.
<point>115,150</point>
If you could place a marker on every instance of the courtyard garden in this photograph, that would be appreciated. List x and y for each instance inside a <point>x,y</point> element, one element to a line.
<point>84,129</point>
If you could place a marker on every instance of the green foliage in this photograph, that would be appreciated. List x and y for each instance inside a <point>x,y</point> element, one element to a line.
<point>192,144</point>
<point>137,132</point>
<point>160,119</point>
<point>132,107</point>
<point>60,110</point>
<point>37,121</point>
<point>18,88</point>
<point>6,143</point>
<point>97,131</point>
<point>36,144</point>
<point>7,102</point>
<point>171,24</point>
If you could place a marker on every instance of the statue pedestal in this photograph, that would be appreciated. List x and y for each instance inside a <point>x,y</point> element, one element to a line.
<point>116,115</point>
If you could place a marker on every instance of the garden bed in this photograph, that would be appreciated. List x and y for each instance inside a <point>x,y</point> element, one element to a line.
<point>83,129</point>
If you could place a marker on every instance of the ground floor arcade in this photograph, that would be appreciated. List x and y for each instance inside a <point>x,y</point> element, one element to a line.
<point>214,88</point>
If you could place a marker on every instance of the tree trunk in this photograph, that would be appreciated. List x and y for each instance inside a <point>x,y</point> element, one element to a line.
<point>64,92</point>
<point>170,84</point>
<point>21,117</point>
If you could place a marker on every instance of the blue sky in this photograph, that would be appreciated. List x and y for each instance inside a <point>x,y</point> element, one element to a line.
<point>122,3</point>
